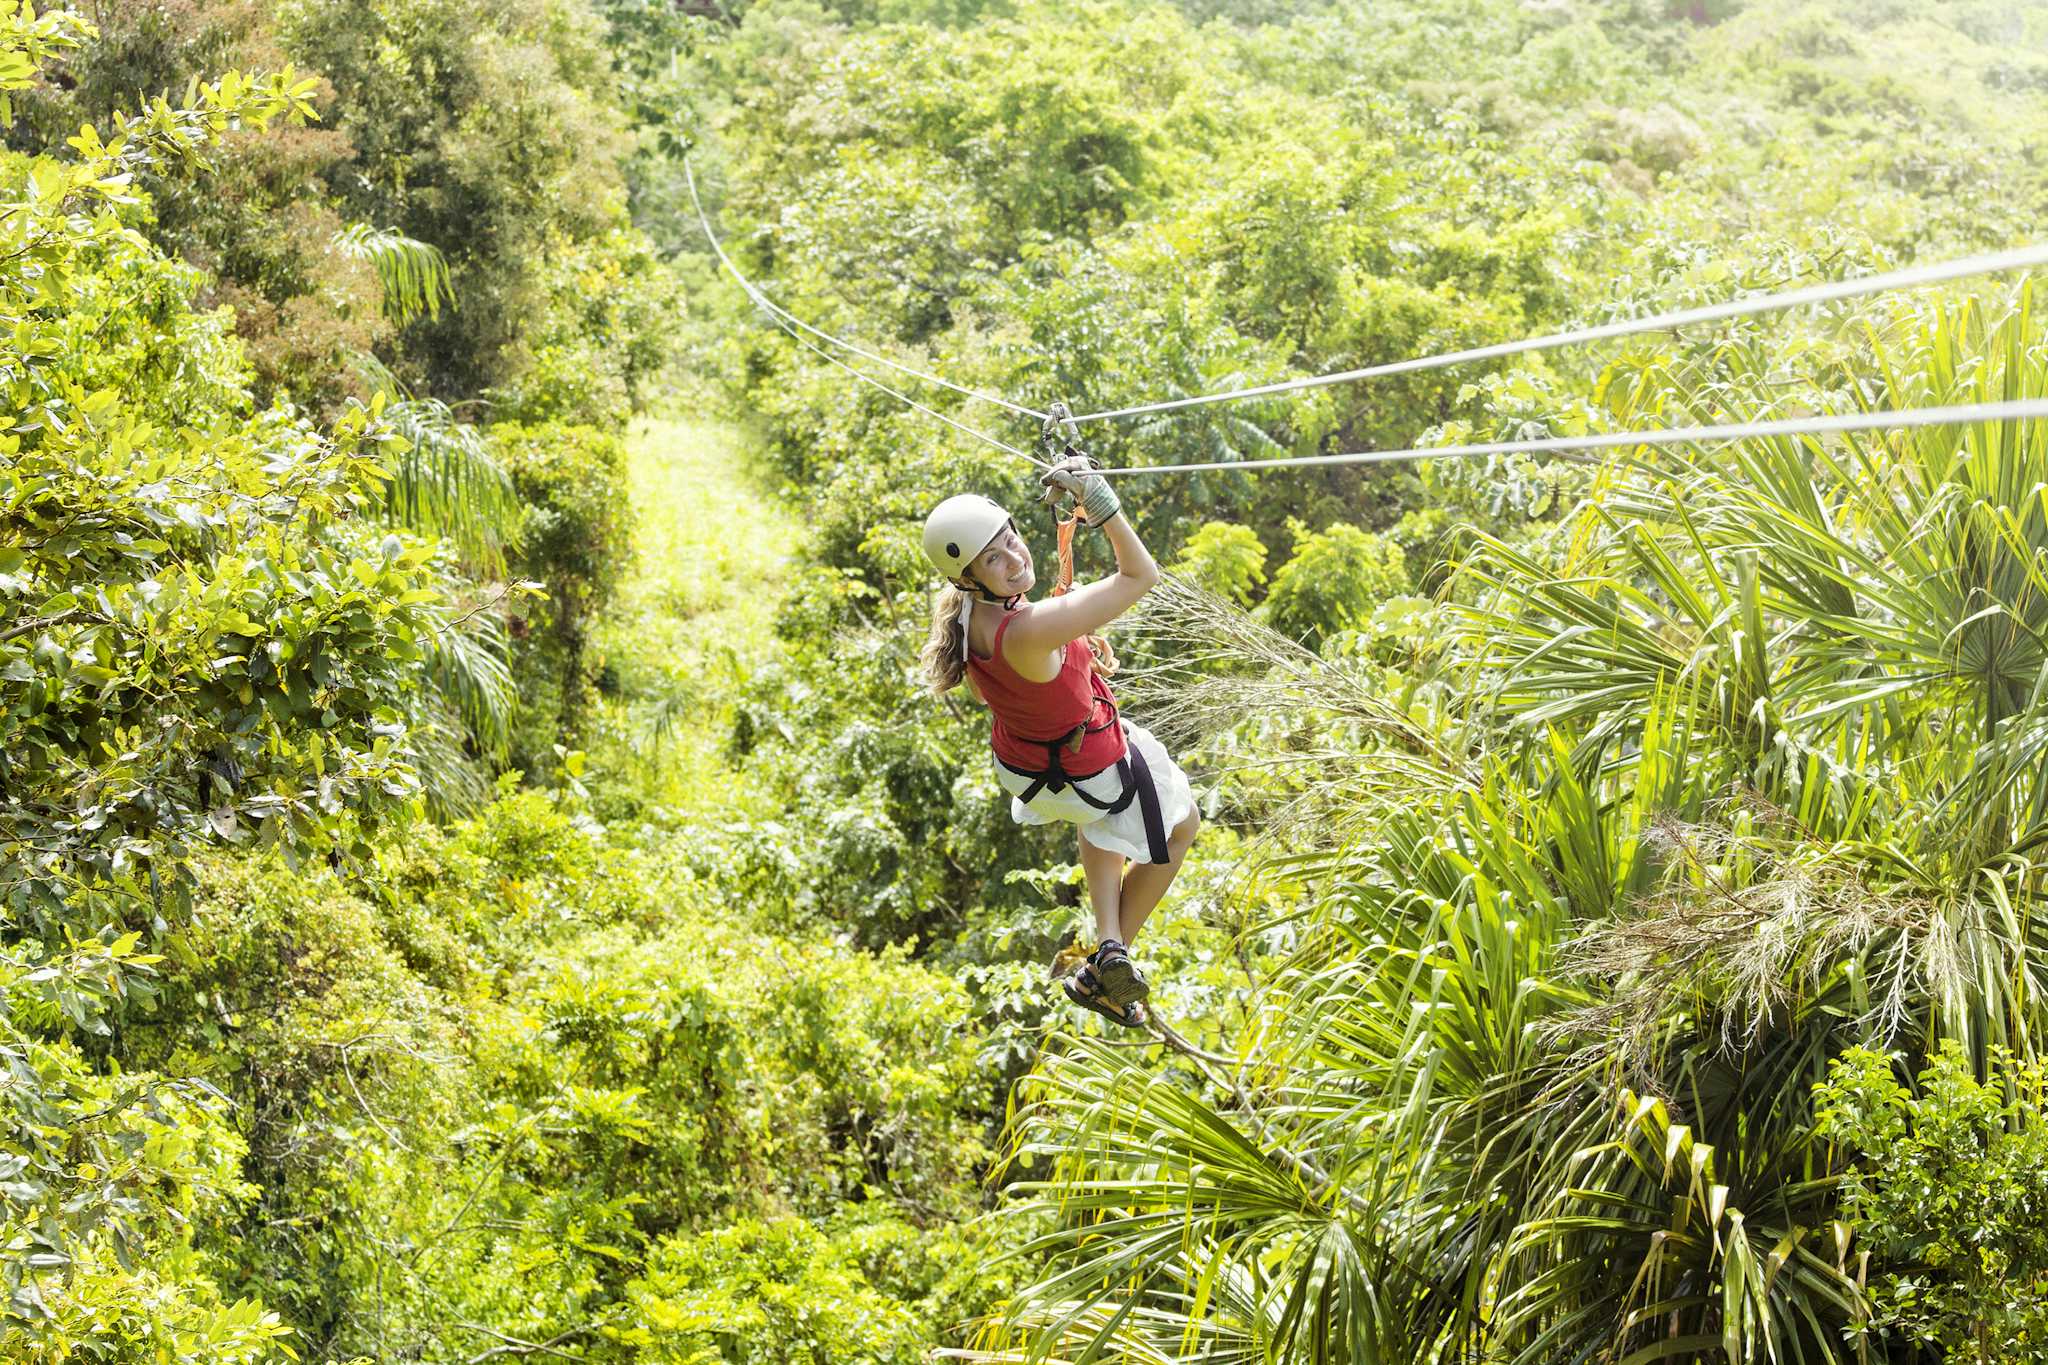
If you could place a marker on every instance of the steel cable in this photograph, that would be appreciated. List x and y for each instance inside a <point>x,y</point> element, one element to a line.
<point>1953,415</point>
<point>793,320</point>
<point>1994,263</point>
<point>2020,258</point>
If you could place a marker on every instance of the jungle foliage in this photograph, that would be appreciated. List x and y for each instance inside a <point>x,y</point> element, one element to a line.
<point>479,879</point>
<point>1603,808</point>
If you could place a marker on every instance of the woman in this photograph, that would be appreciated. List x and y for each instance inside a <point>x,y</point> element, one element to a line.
<point>1062,752</point>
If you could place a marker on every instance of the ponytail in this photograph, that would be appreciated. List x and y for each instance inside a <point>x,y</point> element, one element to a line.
<point>945,650</point>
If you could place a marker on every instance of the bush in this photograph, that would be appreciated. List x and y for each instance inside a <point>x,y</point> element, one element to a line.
<point>767,1294</point>
<point>1334,581</point>
<point>1949,1198</point>
<point>1226,559</point>
<point>576,539</point>
<point>1659,140</point>
<point>479,1084</point>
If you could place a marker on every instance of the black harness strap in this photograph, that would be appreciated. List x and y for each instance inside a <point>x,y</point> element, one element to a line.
<point>1148,806</point>
<point>1134,781</point>
<point>1054,778</point>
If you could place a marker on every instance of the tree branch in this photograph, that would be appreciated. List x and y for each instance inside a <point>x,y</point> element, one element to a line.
<point>513,1346</point>
<point>35,623</point>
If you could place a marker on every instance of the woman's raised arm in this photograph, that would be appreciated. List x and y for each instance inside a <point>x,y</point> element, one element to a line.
<point>1050,624</point>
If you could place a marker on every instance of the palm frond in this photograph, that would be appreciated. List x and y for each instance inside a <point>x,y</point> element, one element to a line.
<point>455,782</point>
<point>414,273</point>
<point>467,659</point>
<point>445,482</point>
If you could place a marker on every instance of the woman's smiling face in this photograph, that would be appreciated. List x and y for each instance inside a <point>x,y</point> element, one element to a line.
<point>1004,565</point>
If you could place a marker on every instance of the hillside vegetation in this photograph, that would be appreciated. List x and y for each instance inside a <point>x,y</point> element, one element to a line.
<point>480,877</point>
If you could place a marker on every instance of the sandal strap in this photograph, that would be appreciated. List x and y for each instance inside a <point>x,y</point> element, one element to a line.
<point>1086,994</point>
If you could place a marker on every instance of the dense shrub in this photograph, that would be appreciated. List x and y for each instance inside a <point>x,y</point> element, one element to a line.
<point>576,540</point>
<point>1948,1196</point>
<point>767,1293</point>
<point>482,1084</point>
<point>1225,559</point>
<point>1333,581</point>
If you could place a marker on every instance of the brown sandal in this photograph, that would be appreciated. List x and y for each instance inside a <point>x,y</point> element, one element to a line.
<point>1084,988</point>
<point>1118,978</point>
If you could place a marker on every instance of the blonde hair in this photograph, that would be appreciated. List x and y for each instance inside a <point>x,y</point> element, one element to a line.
<point>944,659</point>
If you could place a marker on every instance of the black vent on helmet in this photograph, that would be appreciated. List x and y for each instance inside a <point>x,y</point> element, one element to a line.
<point>952,549</point>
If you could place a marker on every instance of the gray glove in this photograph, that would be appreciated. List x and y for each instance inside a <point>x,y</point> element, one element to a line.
<point>1076,477</point>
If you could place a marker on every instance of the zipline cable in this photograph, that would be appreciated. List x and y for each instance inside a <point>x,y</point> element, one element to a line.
<point>771,306</point>
<point>831,359</point>
<point>1954,415</point>
<point>1994,263</point>
<point>783,320</point>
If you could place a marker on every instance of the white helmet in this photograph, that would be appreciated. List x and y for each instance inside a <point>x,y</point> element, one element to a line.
<point>959,529</point>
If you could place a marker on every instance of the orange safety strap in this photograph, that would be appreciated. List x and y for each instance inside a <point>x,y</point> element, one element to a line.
<point>1063,580</point>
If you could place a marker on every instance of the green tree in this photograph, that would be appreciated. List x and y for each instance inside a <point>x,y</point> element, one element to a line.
<point>1333,580</point>
<point>1947,1197</point>
<point>481,129</point>
<point>1225,559</point>
<point>202,642</point>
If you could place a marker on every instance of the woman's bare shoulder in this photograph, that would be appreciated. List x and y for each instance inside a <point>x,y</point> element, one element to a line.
<point>1026,655</point>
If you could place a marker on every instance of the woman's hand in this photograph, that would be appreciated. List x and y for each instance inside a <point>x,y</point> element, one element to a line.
<point>1075,476</point>
<point>1069,476</point>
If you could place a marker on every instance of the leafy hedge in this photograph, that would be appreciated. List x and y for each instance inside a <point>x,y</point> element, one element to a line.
<point>521,1067</point>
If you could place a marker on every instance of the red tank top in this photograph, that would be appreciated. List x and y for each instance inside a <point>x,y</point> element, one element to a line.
<point>1027,711</point>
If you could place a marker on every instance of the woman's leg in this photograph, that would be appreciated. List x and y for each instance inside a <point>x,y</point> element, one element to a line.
<point>1147,882</point>
<point>1105,873</point>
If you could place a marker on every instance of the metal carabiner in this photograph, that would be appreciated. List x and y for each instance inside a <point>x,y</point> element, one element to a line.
<point>1061,436</point>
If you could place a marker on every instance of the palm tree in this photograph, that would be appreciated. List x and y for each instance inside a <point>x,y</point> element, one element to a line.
<point>1745,767</point>
<point>445,483</point>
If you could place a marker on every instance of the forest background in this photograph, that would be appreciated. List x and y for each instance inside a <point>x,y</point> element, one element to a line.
<point>479,878</point>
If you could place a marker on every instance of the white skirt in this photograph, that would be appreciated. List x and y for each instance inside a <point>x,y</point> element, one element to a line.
<point>1170,801</point>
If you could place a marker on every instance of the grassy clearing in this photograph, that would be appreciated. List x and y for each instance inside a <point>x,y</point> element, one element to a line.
<point>693,620</point>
